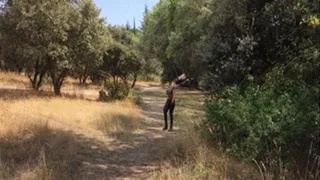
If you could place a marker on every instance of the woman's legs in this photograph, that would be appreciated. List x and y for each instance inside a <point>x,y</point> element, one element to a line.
<point>165,111</point>
<point>171,114</point>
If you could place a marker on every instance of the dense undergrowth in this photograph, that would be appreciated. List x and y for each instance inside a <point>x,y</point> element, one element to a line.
<point>276,125</point>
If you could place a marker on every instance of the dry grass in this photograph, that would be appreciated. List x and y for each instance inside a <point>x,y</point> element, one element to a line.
<point>33,150</point>
<point>38,132</point>
<point>13,80</point>
<point>70,88</point>
<point>188,156</point>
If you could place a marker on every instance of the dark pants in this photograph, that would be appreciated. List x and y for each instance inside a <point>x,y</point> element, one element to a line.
<point>169,106</point>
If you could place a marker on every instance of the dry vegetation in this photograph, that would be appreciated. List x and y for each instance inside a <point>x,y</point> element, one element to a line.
<point>188,156</point>
<point>39,133</point>
<point>37,130</point>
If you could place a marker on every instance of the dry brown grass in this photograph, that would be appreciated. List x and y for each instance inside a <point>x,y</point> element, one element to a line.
<point>70,88</point>
<point>13,80</point>
<point>188,156</point>
<point>31,149</point>
<point>38,131</point>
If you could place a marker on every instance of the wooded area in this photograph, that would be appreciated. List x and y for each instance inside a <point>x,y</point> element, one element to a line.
<point>261,61</point>
<point>56,39</point>
<point>258,59</point>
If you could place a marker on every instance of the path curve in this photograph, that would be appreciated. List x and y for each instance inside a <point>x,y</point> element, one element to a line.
<point>129,159</point>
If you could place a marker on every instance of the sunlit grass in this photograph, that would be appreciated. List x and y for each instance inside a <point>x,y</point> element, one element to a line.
<point>38,130</point>
<point>186,155</point>
<point>39,133</point>
<point>13,80</point>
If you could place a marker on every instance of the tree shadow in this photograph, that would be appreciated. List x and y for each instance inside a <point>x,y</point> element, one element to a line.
<point>129,154</point>
<point>8,94</point>
<point>47,153</point>
<point>70,155</point>
<point>155,94</point>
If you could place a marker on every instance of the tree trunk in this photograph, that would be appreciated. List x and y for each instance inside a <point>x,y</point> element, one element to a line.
<point>36,80</point>
<point>57,85</point>
<point>57,82</point>
<point>84,80</point>
<point>33,80</point>
<point>134,81</point>
<point>57,89</point>
<point>19,70</point>
<point>41,75</point>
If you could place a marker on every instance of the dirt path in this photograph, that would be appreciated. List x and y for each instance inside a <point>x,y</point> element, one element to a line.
<point>128,155</point>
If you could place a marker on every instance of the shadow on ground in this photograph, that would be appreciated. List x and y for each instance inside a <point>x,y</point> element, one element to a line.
<point>132,154</point>
<point>9,94</point>
<point>129,154</point>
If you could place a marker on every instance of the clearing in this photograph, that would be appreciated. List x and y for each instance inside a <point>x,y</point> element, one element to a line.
<point>76,137</point>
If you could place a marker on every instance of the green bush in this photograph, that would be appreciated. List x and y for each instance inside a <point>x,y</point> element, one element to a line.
<point>265,124</point>
<point>136,98</point>
<point>117,90</point>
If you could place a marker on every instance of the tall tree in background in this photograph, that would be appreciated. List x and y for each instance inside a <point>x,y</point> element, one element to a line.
<point>32,33</point>
<point>152,66</point>
<point>122,59</point>
<point>263,55</point>
<point>52,37</point>
<point>154,40</point>
<point>90,40</point>
<point>220,42</point>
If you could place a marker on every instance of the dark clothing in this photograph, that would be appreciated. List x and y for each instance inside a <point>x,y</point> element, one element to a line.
<point>169,92</point>
<point>170,105</point>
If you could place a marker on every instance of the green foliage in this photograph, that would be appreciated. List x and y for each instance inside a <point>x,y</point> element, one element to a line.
<point>39,39</point>
<point>122,58</point>
<point>91,37</point>
<point>117,90</point>
<point>254,123</point>
<point>52,37</point>
<point>136,98</point>
<point>220,42</point>
<point>120,61</point>
<point>248,122</point>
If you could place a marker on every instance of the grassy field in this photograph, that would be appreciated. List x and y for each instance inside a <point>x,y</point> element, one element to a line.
<point>190,156</point>
<point>37,130</point>
<point>48,137</point>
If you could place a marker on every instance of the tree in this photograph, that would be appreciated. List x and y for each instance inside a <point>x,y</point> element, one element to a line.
<point>134,29</point>
<point>82,49</point>
<point>90,40</point>
<point>171,34</point>
<point>60,54</point>
<point>152,65</point>
<point>128,27</point>
<point>122,58</point>
<point>31,30</point>
<point>154,40</point>
<point>263,55</point>
<point>52,37</point>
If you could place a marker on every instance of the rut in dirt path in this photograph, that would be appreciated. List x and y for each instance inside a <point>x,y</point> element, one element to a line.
<point>128,155</point>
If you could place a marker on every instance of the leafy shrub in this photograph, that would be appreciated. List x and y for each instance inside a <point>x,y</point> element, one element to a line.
<point>117,90</point>
<point>265,124</point>
<point>136,98</point>
<point>97,77</point>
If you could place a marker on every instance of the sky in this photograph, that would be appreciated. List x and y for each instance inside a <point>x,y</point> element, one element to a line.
<point>118,12</point>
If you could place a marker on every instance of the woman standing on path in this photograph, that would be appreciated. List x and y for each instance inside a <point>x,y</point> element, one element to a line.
<point>170,103</point>
<point>169,106</point>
